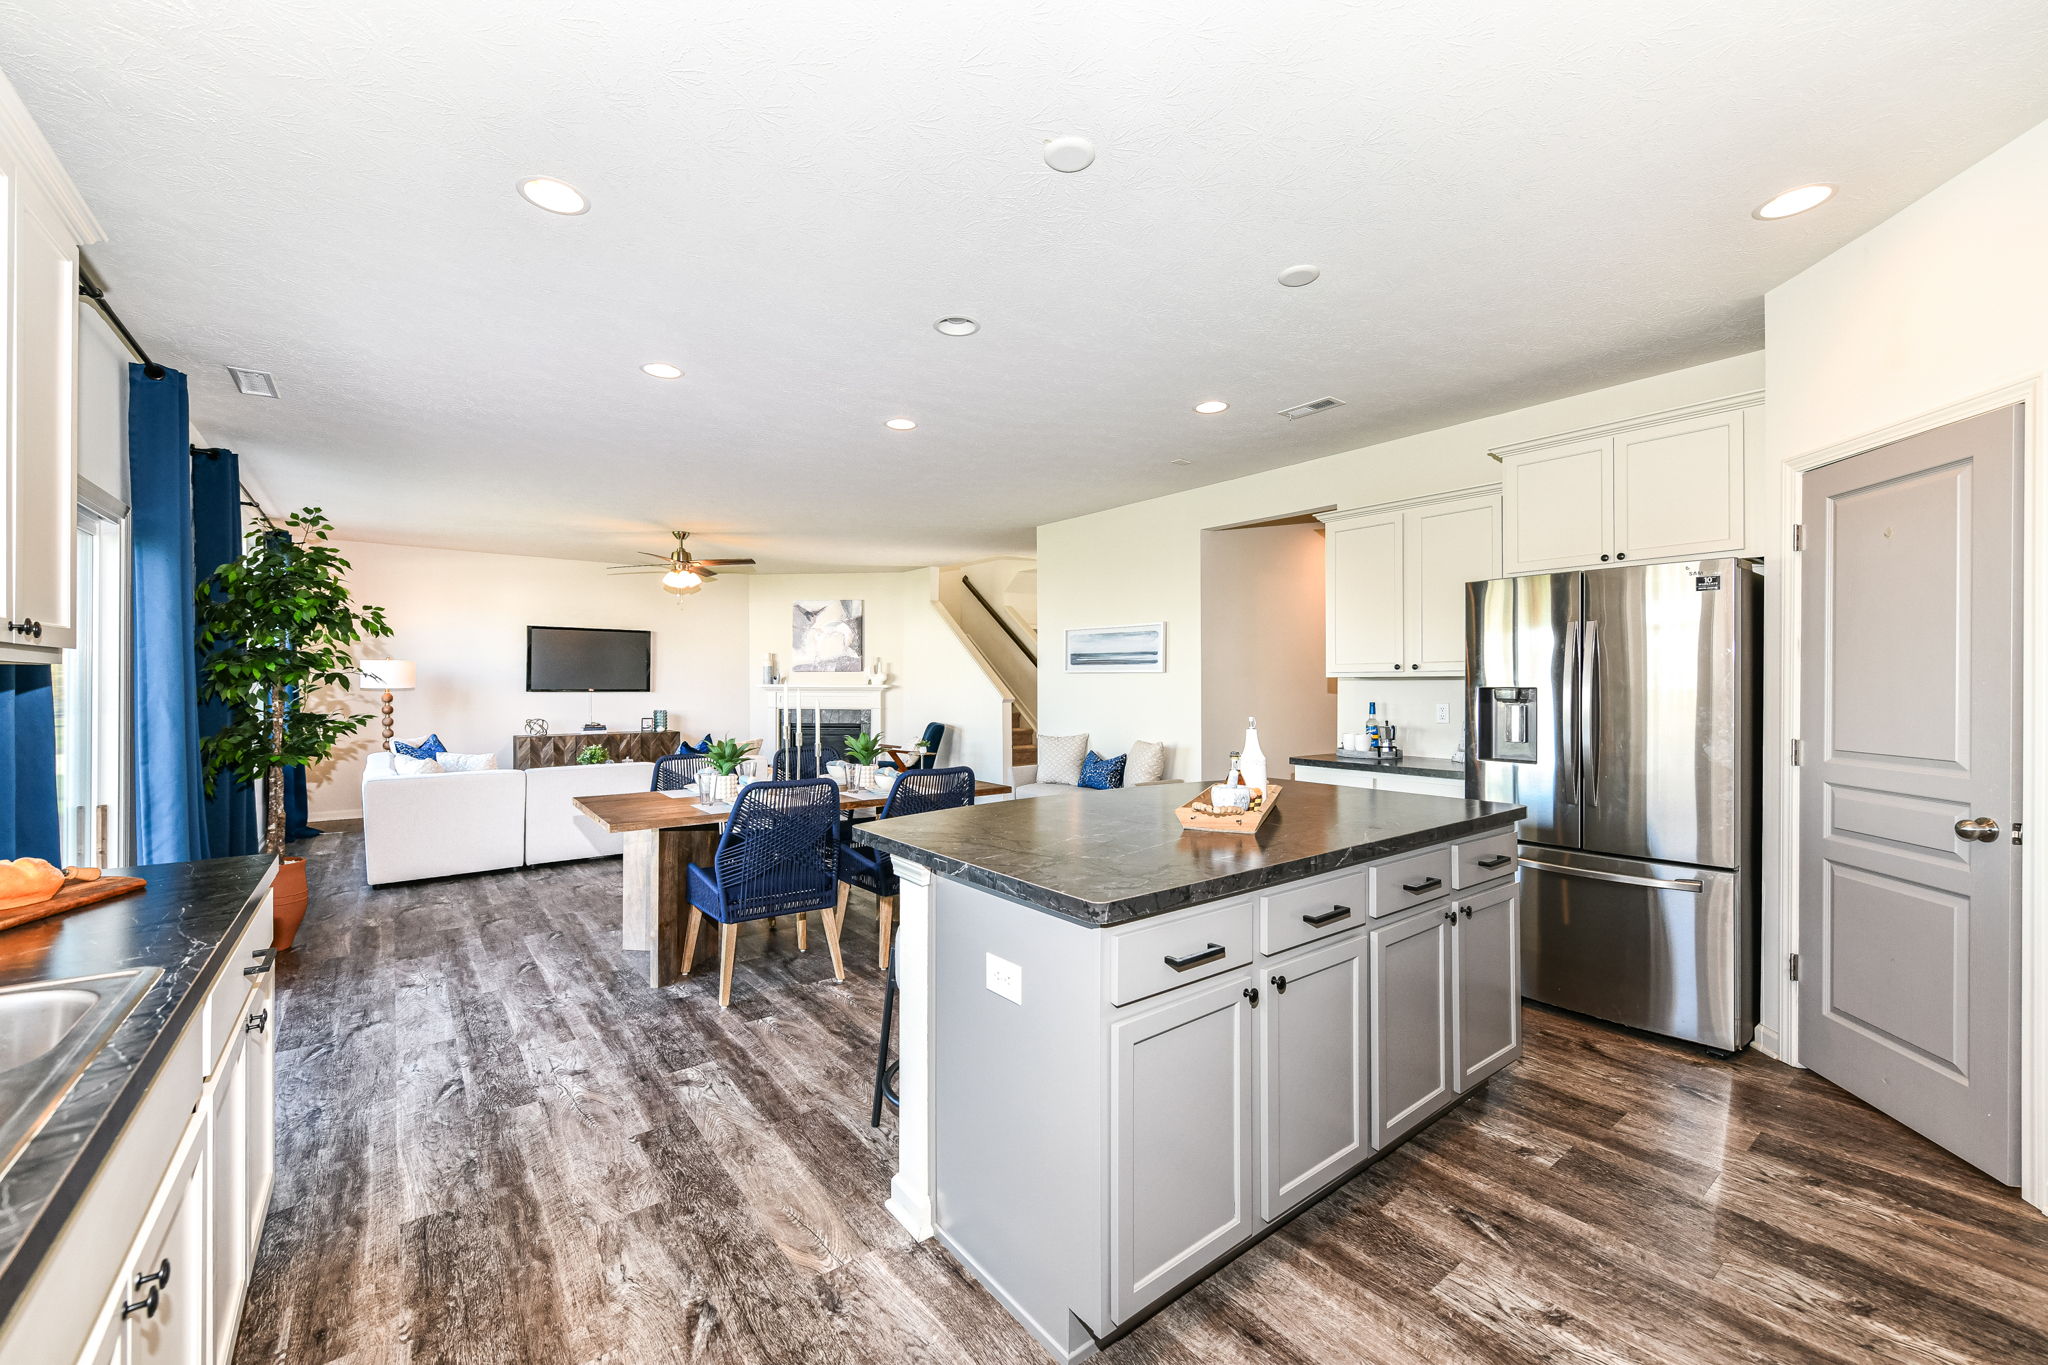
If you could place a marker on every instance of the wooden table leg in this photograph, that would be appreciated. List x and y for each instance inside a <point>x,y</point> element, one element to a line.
<point>657,896</point>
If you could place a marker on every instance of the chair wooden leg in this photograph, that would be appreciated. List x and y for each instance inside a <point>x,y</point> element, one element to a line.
<point>728,945</point>
<point>803,932</point>
<point>885,909</point>
<point>697,917</point>
<point>834,920</point>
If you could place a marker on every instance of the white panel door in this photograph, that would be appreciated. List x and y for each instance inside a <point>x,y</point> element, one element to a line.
<point>43,451</point>
<point>1558,507</point>
<point>1315,1114</point>
<point>1447,546</point>
<point>166,1284</point>
<point>1411,1021</point>
<point>228,1249</point>
<point>1678,489</point>
<point>1364,595</point>
<point>1488,950</point>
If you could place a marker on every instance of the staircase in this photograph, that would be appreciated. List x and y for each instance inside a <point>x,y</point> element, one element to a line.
<point>1023,743</point>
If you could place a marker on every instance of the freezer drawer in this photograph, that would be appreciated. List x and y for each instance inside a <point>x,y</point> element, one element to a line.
<point>1656,946</point>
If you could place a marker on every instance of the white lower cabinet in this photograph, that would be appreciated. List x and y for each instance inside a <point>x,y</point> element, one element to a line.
<point>1315,1112</point>
<point>178,1296</point>
<point>1411,1020</point>
<point>1487,946</point>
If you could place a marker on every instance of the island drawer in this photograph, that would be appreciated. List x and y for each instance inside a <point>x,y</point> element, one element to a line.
<point>1411,880</point>
<point>225,1013</point>
<point>1290,916</point>
<point>1177,948</point>
<point>1486,858</point>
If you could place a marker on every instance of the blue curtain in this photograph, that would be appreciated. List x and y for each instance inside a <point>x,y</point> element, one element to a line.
<point>170,802</point>
<point>28,762</point>
<point>230,813</point>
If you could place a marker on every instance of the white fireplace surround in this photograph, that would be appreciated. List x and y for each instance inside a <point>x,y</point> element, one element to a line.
<point>832,692</point>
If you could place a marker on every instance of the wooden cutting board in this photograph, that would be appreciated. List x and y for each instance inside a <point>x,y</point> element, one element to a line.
<point>71,896</point>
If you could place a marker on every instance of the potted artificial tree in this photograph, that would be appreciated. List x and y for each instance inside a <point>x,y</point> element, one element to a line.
<point>274,627</point>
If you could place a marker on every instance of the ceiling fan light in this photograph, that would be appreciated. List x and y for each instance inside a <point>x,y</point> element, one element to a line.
<point>681,580</point>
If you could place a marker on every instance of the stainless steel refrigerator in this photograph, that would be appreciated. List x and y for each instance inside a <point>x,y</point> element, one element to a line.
<point>1620,706</point>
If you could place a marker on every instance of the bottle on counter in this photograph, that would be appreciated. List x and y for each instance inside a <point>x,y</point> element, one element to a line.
<point>1232,793</point>
<point>1372,728</point>
<point>1253,758</point>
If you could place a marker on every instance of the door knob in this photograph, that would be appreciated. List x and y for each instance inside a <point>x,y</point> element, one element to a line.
<point>1983,829</point>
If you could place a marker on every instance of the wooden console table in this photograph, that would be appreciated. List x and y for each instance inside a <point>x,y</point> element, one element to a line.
<point>624,746</point>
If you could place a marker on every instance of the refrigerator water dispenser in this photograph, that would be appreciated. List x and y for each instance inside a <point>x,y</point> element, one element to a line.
<point>1507,724</point>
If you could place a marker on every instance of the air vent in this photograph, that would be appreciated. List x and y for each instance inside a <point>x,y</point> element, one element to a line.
<point>1314,405</point>
<point>255,383</point>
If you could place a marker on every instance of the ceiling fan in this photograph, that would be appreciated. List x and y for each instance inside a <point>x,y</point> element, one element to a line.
<point>681,572</point>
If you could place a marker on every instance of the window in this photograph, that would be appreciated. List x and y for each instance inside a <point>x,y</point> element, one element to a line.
<point>91,734</point>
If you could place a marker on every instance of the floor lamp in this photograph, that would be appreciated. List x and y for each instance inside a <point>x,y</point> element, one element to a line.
<point>392,675</point>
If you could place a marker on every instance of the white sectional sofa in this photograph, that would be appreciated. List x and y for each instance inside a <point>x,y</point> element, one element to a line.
<point>441,824</point>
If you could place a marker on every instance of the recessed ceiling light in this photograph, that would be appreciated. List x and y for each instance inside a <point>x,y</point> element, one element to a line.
<point>1796,201</point>
<point>1069,154</point>
<point>900,424</point>
<point>1213,405</point>
<point>957,327</point>
<point>661,371</point>
<point>1295,276</point>
<point>556,196</point>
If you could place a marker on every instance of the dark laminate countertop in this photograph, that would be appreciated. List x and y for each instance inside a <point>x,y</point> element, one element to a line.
<point>1108,857</point>
<point>1407,767</point>
<point>184,923</point>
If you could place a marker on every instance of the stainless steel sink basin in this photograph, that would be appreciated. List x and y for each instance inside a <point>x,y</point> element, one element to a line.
<point>49,1034</point>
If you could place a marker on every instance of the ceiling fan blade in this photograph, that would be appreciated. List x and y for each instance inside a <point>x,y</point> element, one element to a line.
<point>722,561</point>
<point>637,568</point>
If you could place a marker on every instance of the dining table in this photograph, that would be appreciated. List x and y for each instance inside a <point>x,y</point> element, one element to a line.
<point>664,834</point>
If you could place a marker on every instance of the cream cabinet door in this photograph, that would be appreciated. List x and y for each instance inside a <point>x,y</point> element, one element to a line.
<point>42,490</point>
<point>1678,489</point>
<point>1447,546</point>
<point>1364,595</point>
<point>1558,506</point>
<point>166,1283</point>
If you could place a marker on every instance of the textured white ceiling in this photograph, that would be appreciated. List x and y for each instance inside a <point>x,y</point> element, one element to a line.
<point>1510,202</point>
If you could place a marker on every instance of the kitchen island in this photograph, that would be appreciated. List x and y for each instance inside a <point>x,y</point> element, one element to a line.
<point>1129,1051</point>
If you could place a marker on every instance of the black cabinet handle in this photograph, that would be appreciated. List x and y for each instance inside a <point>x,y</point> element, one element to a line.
<point>146,1305</point>
<point>1497,860</point>
<point>1329,916</point>
<point>1208,954</point>
<point>257,1022</point>
<point>1426,884</point>
<point>1251,993</point>
<point>1467,911</point>
<point>1280,984</point>
<point>266,958</point>
<point>1603,559</point>
<point>161,1277</point>
<point>1452,914</point>
<point>1621,555</point>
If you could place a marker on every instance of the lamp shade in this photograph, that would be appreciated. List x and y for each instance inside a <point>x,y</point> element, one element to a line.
<point>388,675</point>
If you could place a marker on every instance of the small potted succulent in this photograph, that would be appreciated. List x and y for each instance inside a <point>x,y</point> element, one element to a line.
<point>861,751</point>
<point>594,753</point>
<point>723,758</point>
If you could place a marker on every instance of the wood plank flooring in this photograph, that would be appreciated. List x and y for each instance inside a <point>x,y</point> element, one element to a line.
<point>497,1145</point>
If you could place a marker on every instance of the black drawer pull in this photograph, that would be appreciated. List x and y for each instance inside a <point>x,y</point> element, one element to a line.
<point>160,1277</point>
<point>1426,884</point>
<point>1208,954</point>
<point>1329,916</point>
<point>257,1022</point>
<point>146,1306</point>
<point>266,958</point>
<point>1497,860</point>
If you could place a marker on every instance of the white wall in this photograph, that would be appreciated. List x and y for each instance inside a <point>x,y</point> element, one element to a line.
<point>102,404</point>
<point>1908,326</point>
<point>934,674</point>
<point>1262,643</point>
<point>1142,562</point>
<point>1411,704</point>
<point>1008,583</point>
<point>462,617</point>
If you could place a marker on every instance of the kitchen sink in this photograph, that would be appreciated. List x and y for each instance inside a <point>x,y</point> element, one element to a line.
<point>49,1033</point>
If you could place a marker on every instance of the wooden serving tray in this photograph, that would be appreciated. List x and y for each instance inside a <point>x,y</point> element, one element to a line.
<point>1247,823</point>
<point>71,896</point>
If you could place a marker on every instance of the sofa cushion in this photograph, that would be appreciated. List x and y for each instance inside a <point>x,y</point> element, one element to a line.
<point>1148,762</point>
<point>1060,758</point>
<point>467,763</point>
<point>1103,774</point>
<point>414,764</point>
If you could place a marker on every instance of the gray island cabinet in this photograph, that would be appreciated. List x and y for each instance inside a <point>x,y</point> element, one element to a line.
<point>1129,1051</point>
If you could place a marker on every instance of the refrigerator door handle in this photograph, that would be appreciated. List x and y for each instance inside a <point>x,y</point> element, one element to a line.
<point>1589,711</point>
<point>1692,884</point>
<point>1568,738</point>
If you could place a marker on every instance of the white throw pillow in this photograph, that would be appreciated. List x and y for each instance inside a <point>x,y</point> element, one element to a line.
<point>468,763</point>
<point>413,767</point>
<point>1059,759</point>
<point>1147,762</point>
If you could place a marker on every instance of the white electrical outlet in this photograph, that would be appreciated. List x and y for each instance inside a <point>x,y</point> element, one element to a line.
<point>1443,713</point>
<point>1006,979</point>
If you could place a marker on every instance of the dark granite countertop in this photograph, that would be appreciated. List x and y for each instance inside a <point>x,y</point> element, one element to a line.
<point>184,923</point>
<point>1407,767</point>
<point>1104,858</point>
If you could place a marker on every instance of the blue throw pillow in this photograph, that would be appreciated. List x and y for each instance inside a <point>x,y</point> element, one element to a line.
<point>1102,773</point>
<point>430,747</point>
<point>683,746</point>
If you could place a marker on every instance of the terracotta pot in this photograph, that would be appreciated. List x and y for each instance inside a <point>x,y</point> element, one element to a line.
<point>287,902</point>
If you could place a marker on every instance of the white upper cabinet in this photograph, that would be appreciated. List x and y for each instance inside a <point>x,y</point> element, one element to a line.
<point>1395,576</point>
<point>1664,486</point>
<point>45,222</point>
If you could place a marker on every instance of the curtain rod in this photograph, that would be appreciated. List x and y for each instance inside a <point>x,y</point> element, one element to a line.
<point>93,293</point>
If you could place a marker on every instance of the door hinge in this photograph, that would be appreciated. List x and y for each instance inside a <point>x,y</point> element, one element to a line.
<point>1798,535</point>
<point>2016,832</point>
<point>1798,753</point>
<point>1792,967</point>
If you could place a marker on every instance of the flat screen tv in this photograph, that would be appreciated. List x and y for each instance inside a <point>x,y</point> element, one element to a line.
<point>577,659</point>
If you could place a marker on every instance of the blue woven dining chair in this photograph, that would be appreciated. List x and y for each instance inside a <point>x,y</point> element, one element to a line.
<point>793,764</point>
<point>934,735</point>
<point>778,855</point>
<point>917,791</point>
<point>676,771</point>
